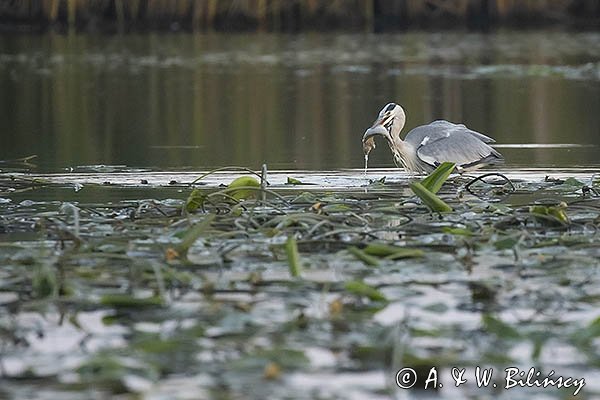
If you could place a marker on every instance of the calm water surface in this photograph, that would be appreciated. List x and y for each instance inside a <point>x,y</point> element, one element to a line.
<point>291,101</point>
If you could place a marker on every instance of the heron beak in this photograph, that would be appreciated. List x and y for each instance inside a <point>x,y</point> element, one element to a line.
<point>376,130</point>
<point>369,137</point>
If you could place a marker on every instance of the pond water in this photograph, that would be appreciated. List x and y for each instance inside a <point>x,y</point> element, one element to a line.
<point>291,101</point>
<point>100,298</point>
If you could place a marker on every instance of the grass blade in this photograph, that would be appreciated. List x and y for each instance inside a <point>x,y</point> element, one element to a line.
<point>363,256</point>
<point>193,233</point>
<point>392,252</point>
<point>291,249</point>
<point>359,288</point>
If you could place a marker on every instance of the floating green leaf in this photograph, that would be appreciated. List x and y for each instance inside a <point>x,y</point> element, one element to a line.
<point>294,181</point>
<point>551,213</point>
<point>457,231</point>
<point>362,289</point>
<point>243,187</point>
<point>392,252</point>
<point>194,201</point>
<point>573,182</point>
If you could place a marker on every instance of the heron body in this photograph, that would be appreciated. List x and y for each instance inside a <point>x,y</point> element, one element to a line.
<point>427,146</point>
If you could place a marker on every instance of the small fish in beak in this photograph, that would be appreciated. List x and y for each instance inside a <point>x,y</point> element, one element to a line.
<point>368,145</point>
<point>369,137</point>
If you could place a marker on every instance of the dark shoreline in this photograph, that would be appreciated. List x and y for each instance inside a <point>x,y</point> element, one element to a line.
<point>294,15</point>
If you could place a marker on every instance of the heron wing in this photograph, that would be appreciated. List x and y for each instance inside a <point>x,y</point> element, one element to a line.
<point>458,146</point>
<point>442,127</point>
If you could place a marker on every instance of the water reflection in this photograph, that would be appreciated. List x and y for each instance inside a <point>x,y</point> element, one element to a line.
<point>302,101</point>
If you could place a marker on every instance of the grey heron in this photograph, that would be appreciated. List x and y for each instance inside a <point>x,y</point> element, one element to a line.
<point>427,146</point>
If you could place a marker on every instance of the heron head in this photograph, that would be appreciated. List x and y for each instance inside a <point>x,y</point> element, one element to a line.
<point>388,124</point>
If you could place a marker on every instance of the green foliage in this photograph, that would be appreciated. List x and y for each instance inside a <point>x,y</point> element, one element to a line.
<point>499,328</point>
<point>426,189</point>
<point>457,231</point>
<point>570,181</point>
<point>392,252</point>
<point>120,301</point>
<point>293,257</point>
<point>294,181</point>
<point>430,199</point>
<point>506,242</point>
<point>193,233</point>
<point>436,179</point>
<point>551,214</point>
<point>363,256</point>
<point>109,372</point>
<point>44,282</point>
<point>243,187</point>
<point>361,289</point>
<point>194,201</point>
<point>584,336</point>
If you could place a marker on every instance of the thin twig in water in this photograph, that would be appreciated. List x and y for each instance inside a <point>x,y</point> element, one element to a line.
<point>232,168</point>
<point>482,177</point>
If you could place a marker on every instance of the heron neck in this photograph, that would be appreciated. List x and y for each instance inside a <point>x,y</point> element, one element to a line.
<point>405,155</point>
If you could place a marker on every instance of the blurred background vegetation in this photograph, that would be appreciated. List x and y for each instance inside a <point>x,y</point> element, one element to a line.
<point>293,15</point>
<point>209,96</point>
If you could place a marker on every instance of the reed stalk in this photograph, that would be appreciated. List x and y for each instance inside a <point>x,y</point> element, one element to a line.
<point>71,13</point>
<point>197,8</point>
<point>184,8</point>
<point>369,15</point>
<point>50,10</point>
<point>134,8</point>
<point>276,13</point>
<point>211,12</point>
<point>120,11</point>
<point>262,14</point>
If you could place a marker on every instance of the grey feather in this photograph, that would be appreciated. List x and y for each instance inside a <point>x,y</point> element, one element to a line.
<point>449,126</point>
<point>442,141</point>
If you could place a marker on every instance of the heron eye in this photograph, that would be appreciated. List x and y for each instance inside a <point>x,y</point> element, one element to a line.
<point>390,107</point>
